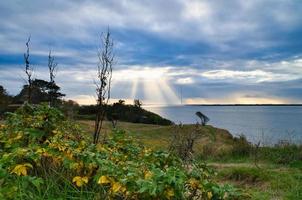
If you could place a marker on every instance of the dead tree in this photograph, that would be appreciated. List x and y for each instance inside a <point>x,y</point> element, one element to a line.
<point>103,83</point>
<point>28,71</point>
<point>52,67</point>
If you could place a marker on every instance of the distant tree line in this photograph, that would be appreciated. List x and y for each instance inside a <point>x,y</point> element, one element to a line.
<point>41,91</point>
<point>120,111</point>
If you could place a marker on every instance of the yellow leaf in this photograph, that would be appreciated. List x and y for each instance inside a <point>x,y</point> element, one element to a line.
<point>169,193</point>
<point>194,183</point>
<point>148,174</point>
<point>69,154</point>
<point>80,181</point>
<point>117,187</point>
<point>21,170</point>
<point>19,136</point>
<point>104,180</point>
<point>100,147</point>
<point>210,195</point>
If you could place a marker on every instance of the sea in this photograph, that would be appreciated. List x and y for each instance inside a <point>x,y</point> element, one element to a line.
<point>268,125</point>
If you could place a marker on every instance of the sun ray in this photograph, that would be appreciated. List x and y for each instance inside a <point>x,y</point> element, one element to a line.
<point>171,97</point>
<point>152,93</point>
<point>134,89</point>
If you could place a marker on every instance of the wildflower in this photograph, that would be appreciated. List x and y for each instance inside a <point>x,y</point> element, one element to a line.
<point>210,195</point>
<point>104,180</point>
<point>169,193</point>
<point>21,169</point>
<point>80,181</point>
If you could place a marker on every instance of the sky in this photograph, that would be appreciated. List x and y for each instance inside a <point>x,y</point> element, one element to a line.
<point>166,52</point>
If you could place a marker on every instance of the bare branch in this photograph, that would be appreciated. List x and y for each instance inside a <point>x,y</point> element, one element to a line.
<point>52,67</point>
<point>28,70</point>
<point>103,83</point>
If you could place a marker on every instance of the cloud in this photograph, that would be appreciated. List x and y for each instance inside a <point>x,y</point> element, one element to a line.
<point>212,49</point>
<point>255,76</point>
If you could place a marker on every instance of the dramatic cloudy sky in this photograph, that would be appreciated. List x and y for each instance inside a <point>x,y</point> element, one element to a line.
<point>214,51</point>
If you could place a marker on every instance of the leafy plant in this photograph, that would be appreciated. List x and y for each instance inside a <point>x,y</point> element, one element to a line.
<point>45,156</point>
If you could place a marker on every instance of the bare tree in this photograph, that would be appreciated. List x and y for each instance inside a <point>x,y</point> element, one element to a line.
<point>29,71</point>
<point>52,66</point>
<point>103,83</point>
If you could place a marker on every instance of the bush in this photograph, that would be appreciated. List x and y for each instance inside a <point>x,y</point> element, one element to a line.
<point>45,156</point>
<point>241,147</point>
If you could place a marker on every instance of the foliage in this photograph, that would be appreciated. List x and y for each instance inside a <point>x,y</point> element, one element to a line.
<point>5,99</point>
<point>122,112</point>
<point>40,92</point>
<point>43,155</point>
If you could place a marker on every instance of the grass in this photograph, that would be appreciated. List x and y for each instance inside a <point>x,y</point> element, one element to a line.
<point>159,137</point>
<point>268,182</point>
<point>279,175</point>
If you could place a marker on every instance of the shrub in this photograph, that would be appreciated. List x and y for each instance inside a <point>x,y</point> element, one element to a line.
<point>241,147</point>
<point>45,156</point>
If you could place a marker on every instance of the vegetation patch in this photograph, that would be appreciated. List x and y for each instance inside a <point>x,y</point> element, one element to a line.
<point>45,156</point>
<point>245,175</point>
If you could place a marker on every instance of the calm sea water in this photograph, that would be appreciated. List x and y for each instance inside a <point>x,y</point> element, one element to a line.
<point>268,124</point>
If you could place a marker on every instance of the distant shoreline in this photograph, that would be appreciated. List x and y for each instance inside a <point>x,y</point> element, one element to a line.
<point>242,104</point>
<point>171,105</point>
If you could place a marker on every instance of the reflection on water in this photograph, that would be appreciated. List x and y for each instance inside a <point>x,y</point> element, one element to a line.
<point>269,124</point>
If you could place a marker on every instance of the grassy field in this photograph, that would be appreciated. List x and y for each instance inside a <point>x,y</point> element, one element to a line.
<point>159,137</point>
<point>216,147</point>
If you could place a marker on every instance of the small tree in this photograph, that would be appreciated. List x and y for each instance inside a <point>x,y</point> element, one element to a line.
<point>103,83</point>
<point>52,67</point>
<point>28,71</point>
<point>203,118</point>
<point>137,103</point>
